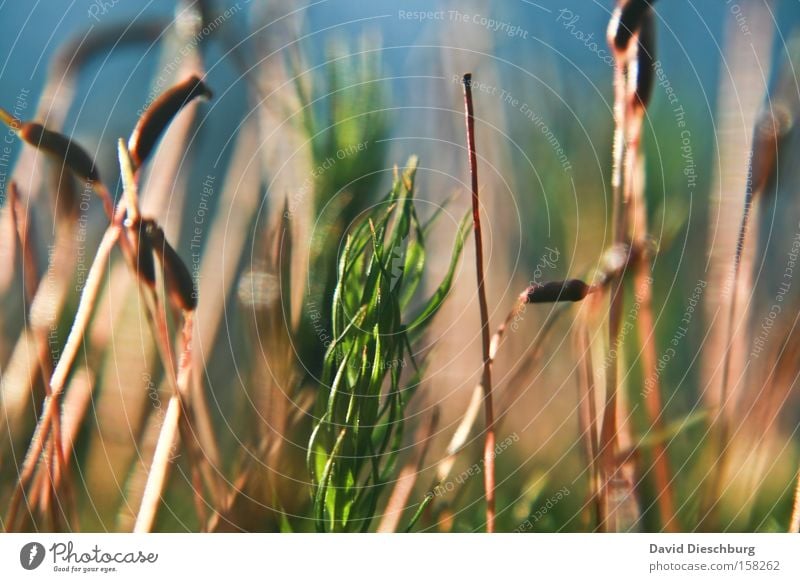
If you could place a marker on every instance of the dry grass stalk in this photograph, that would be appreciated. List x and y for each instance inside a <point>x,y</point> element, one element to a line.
<point>179,289</point>
<point>176,422</point>
<point>486,381</point>
<point>398,499</point>
<point>179,285</point>
<point>741,90</point>
<point>22,225</point>
<point>464,430</point>
<point>631,36</point>
<point>770,129</point>
<point>48,432</point>
<point>157,477</point>
<point>609,431</point>
<point>587,413</point>
<point>638,100</point>
<point>158,195</point>
<point>794,522</point>
<point>51,408</point>
<point>31,357</point>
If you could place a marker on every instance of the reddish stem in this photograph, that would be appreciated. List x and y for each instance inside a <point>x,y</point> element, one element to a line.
<point>486,381</point>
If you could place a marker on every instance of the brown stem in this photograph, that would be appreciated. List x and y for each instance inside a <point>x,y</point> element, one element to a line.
<point>794,524</point>
<point>74,341</point>
<point>202,471</point>
<point>51,409</point>
<point>55,463</point>
<point>22,226</point>
<point>587,413</point>
<point>486,381</point>
<point>176,422</point>
<point>609,427</point>
<point>643,291</point>
<point>653,402</point>
<point>178,374</point>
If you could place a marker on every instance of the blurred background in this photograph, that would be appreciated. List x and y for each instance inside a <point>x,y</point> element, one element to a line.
<point>314,104</point>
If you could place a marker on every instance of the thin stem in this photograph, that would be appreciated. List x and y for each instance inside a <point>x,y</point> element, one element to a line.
<point>488,450</point>
<point>157,477</point>
<point>464,428</point>
<point>21,225</point>
<point>202,472</point>
<point>51,406</point>
<point>609,427</point>
<point>794,524</point>
<point>131,188</point>
<point>170,430</point>
<point>587,412</point>
<point>408,476</point>
<point>9,119</point>
<point>85,309</point>
<point>770,129</point>
<point>653,401</point>
<point>643,291</point>
<point>720,419</point>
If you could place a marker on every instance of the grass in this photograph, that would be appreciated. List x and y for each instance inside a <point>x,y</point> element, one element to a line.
<point>352,452</point>
<point>336,298</point>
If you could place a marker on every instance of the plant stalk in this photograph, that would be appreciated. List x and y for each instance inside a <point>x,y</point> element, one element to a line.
<point>486,379</point>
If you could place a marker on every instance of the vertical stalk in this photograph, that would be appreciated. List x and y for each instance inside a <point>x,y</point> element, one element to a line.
<point>640,90</point>
<point>771,127</point>
<point>610,425</point>
<point>159,468</point>
<point>587,412</point>
<point>630,35</point>
<point>486,379</point>
<point>794,523</point>
<point>653,401</point>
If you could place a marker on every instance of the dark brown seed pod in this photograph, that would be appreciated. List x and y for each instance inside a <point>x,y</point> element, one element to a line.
<point>145,263</point>
<point>60,146</point>
<point>160,113</point>
<point>177,279</point>
<point>645,59</point>
<point>556,291</point>
<point>770,130</point>
<point>626,22</point>
<point>180,284</point>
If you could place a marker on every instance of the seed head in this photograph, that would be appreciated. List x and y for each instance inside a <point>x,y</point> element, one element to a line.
<point>645,58</point>
<point>145,264</point>
<point>556,291</point>
<point>626,20</point>
<point>61,147</point>
<point>177,279</point>
<point>159,115</point>
<point>770,130</point>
